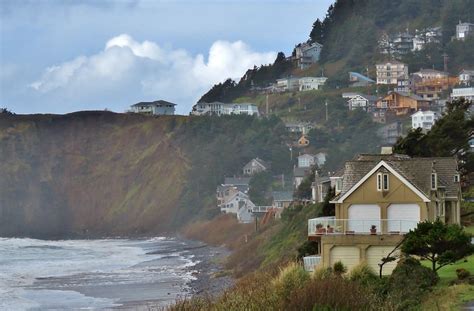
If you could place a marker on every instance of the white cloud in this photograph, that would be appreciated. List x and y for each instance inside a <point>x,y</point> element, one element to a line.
<point>129,70</point>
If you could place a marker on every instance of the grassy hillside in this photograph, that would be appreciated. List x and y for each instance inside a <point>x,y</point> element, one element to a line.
<point>104,173</point>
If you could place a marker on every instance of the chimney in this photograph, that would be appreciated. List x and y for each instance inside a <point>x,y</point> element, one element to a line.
<point>386,150</point>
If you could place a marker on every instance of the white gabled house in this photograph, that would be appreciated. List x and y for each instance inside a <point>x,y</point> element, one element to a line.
<point>364,102</point>
<point>255,166</point>
<point>240,205</point>
<point>424,119</point>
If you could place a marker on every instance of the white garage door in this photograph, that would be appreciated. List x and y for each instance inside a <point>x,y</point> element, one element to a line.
<point>363,216</point>
<point>376,253</point>
<point>402,217</point>
<point>348,255</point>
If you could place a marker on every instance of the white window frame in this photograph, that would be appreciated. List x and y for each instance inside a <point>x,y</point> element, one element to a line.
<point>457,178</point>
<point>434,181</point>
<point>379,182</point>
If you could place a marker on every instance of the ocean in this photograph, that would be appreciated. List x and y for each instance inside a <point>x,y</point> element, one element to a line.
<point>102,274</point>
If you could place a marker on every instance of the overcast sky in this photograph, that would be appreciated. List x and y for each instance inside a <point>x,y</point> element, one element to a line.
<point>68,55</point>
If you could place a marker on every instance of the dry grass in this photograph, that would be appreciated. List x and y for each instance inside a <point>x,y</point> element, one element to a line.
<point>290,289</point>
<point>223,230</point>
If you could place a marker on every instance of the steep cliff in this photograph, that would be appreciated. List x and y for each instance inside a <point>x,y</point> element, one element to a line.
<point>101,173</point>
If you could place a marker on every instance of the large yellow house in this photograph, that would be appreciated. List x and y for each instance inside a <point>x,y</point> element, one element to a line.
<point>378,199</point>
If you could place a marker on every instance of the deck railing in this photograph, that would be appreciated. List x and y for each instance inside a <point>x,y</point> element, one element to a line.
<point>261,209</point>
<point>310,262</point>
<point>331,225</point>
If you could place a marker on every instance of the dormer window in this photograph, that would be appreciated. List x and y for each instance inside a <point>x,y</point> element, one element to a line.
<point>382,182</point>
<point>434,181</point>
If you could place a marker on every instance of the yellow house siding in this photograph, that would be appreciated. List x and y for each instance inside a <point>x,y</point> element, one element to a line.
<point>367,194</point>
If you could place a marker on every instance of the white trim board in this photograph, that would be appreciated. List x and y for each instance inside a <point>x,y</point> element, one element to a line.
<point>391,170</point>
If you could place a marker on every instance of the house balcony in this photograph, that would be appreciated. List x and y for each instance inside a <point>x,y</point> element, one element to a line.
<point>323,226</point>
<point>310,262</point>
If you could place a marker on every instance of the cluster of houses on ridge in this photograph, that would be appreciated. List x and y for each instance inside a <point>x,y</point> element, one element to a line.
<point>422,94</point>
<point>233,195</point>
<point>404,42</point>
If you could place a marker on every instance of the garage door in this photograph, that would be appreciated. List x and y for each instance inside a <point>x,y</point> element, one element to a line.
<point>402,217</point>
<point>348,255</point>
<point>376,253</point>
<point>363,216</point>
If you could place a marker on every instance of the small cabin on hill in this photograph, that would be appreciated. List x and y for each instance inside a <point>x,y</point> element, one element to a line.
<point>255,166</point>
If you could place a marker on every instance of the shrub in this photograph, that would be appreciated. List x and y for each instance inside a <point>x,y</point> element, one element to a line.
<point>322,273</point>
<point>409,282</point>
<point>334,294</point>
<point>339,268</point>
<point>291,278</point>
<point>462,274</point>
<point>363,273</point>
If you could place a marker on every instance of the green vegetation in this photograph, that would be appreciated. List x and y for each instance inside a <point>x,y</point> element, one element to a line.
<point>441,244</point>
<point>448,137</point>
<point>260,187</point>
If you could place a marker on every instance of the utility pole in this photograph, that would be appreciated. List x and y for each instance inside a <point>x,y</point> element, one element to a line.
<point>326,104</point>
<point>445,61</point>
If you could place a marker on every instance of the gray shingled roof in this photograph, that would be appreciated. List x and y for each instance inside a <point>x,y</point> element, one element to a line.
<point>416,170</point>
<point>286,196</point>
<point>157,102</point>
<point>301,171</point>
<point>236,180</point>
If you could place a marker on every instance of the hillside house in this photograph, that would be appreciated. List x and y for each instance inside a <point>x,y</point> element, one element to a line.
<point>320,188</point>
<point>424,119</point>
<point>380,199</point>
<point>389,73</point>
<point>220,109</point>
<point>308,160</point>
<point>433,89</point>
<point>466,77</point>
<point>349,95</point>
<point>298,127</point>
<point>240,205</point>
<point>231,186</point>
<point>466,92</point>
<point>402,103</point>
<point>282,199</point>
<point>364,102</point>
<point>255,166</point>
<point>463,30</point>
<point>311,83</point>
<point>156,108</point>
<point>358,80</point>
<point>299,173</point>
<point>425,36</point>
<point>307,54</point>
<point>288,84</point>
<point>397,44</point>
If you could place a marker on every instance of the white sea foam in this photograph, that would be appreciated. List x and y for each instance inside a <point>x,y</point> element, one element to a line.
<point>27,266</point>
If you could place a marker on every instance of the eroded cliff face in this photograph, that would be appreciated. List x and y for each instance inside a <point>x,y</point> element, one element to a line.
<point>90,172</point>
<point>107,174</point>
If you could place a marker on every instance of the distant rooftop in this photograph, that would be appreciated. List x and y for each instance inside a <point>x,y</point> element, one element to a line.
<point>361,76</point>
<point>157,102</point>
